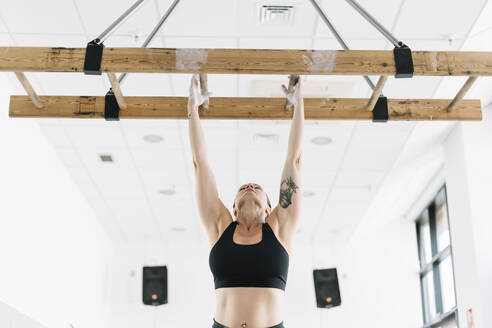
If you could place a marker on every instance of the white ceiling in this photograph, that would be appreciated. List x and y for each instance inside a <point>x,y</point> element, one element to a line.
<point>343,177</point>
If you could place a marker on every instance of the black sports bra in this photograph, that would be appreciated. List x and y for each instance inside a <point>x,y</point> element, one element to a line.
<point>264,264</point>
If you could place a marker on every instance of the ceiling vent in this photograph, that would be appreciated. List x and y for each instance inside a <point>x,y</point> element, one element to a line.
<point>105,157</point>
<point>276,15</point>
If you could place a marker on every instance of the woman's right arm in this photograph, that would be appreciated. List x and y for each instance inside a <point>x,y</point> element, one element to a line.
<point>210,207</point>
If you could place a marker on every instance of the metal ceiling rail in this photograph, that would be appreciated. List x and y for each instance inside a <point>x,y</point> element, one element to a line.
<point>93,57</point>
<point>154,31</point>
<point>337,36</point>
<point>111,28</point>
<point>94,51</point>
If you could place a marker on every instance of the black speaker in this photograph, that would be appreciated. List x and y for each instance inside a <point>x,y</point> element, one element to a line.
<point>154,285</point>
<point>326,288</point>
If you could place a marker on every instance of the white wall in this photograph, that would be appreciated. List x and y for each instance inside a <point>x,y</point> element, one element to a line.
<point>52,247</point>
<point>378,271</point>
<point>461,228</point>
<point>190,298</point>
<point>379,268</point>
<point>379,280</point>
<point>11,318</point>
<point>53,251</point>
<point>478,147</point>
<point>191,291</point>
<point>469,176</point>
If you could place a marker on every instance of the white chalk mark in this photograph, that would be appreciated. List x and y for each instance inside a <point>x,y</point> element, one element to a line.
<point>150,55</point>
<point>321,60</point>
<point>190,59</point>
<point>434,62</point>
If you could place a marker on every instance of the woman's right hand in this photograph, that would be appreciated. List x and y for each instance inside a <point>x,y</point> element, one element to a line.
<point>295,95</point>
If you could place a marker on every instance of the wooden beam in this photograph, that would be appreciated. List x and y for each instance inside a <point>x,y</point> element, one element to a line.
<point>115,85</point>
<point>204,89</point>
<point>377,92</point>
<point>246,108</point>
<point>29,89</point>
<point>468,84</point>
<point>245,61</point>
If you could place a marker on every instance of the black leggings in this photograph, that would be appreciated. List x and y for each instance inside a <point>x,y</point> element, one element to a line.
<point>218,325</point>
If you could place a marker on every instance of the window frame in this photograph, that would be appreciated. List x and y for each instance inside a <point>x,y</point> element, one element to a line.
<point>432,266</point>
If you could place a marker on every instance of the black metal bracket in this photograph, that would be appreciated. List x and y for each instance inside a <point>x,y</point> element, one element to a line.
<point>380,110</point>
<point>111,107</point>
<point>403,61</point>
<point>93,58</point>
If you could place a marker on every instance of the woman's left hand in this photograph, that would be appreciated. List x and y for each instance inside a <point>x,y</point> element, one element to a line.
<point>196,97</point>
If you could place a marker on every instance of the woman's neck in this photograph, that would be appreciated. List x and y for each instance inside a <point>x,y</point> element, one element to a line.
<point>249,219</point>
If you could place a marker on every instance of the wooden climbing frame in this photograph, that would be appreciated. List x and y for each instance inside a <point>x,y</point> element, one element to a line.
<point>245,61</point>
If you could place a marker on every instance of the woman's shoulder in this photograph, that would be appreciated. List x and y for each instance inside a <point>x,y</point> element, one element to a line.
<point>272,221</point>
<point>222,223</point>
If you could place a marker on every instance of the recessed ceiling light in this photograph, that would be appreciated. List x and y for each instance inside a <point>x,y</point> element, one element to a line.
<point>153,138</point>
<point>308,193</point>
<point>178,229</point>
<point>168,191</point>
<point>321,140</point>
<point>106,157</point>
<point>334,231</point>
<point>265,138</point>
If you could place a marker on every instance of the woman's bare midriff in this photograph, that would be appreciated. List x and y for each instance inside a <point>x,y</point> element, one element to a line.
<point>257,307</point>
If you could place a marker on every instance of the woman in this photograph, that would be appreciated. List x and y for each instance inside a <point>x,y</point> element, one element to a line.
<point>249,256</point>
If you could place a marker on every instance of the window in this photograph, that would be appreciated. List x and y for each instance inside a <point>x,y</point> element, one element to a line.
<point>436,265</point>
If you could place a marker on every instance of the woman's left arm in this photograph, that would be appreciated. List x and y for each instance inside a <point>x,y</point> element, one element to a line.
<point>289,208</point>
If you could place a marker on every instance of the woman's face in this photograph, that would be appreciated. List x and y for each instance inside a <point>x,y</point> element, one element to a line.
<point>251,191</point>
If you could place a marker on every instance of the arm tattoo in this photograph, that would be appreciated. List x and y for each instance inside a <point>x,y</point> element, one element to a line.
<point>287,188</point>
